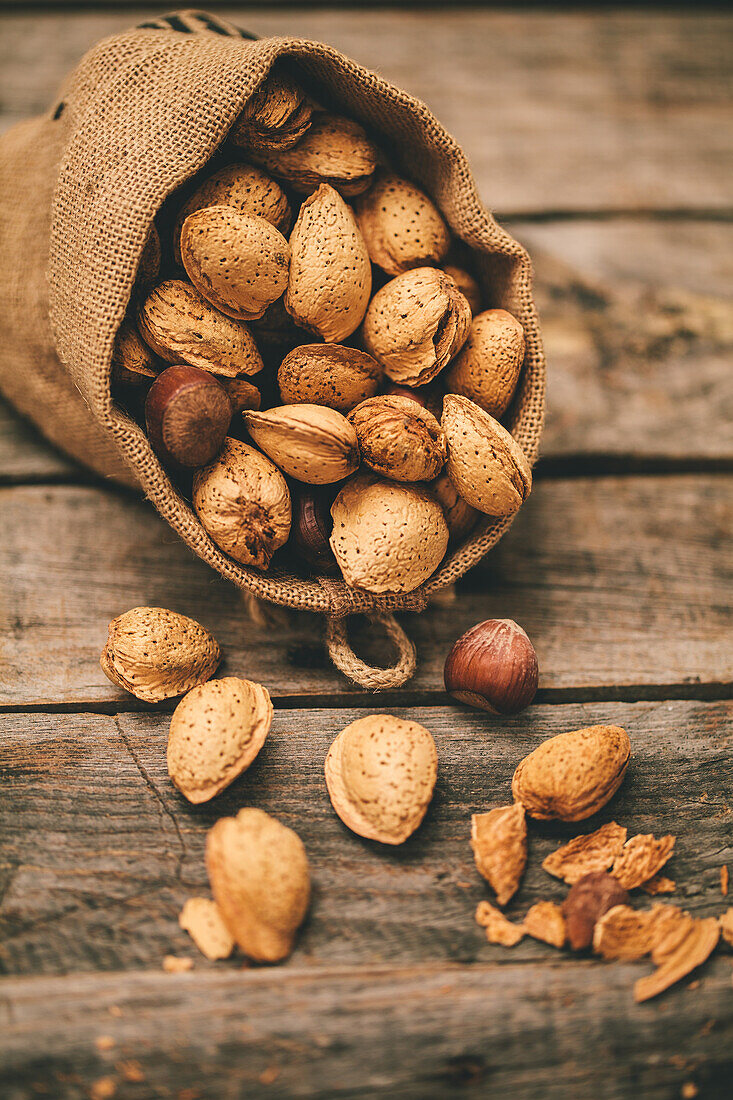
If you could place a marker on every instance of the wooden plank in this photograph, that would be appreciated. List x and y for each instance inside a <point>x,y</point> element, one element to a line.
<point>556,1031</point>
<point>99,851</point>
<point>571,111</point>
<point>620,582</point>
<point>636,317</point>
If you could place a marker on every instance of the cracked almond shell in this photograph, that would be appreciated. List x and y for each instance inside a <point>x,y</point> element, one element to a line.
<point>247,189</point>
<point>401,226</point>
<point>157,654</point>
<point>328,374</point>
<point>260,878</point>
<point>486,369</point>
<point>387,536</point>
<point>334,151</point>
<point>200,917</point>
<point>330,274</point>
<point>486,465</point>
<point>381,773</point>
<point>641,858</point>
<point>398,438</point>
<point>584,855</point>
<point>182,327</point>
<point>238,262</point>
<point>415,325</point>
<point>499,843</point>
<point>275,117</point>
<point>311,443</point>
<point>243,502</point>
<point>216,732</point>
<point>573,775</point>
<point>545,921</point>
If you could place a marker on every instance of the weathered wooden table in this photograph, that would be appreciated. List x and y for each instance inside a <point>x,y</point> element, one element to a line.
<point>601,141</point>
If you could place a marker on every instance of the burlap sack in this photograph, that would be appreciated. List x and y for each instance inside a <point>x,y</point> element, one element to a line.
<point>79,188</point>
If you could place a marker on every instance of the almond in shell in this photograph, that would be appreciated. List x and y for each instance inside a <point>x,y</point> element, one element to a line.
<point>133,363</point>
<point>486,370</point>
<point>467,285</point>
<point>243,502</point>
<point>573,775</point>
<point>276,116</point>
<point>328,374</point>
<point>238,262</point>
<point>311,443</point>
<point>486,465</point>
<point>381,773</point>
<point>459,515</point>
<point>401,226</point>
<point>415,325</point>
<point>260,878</point>
<point>335,151</point>
<point>157,654</point>
<point>182,327</point>
<point>387,536</point>
<point>330,274</point>
<point>398,438</point>
<point>216,732</point>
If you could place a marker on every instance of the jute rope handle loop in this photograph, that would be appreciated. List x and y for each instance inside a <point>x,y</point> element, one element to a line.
<point>376,679</point>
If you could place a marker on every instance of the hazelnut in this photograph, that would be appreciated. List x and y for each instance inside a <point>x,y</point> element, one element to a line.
<point>187,414</point>
<point>311,528</point>
<point>399,439</point>
<point>587,900</point>
<point>493,666</point>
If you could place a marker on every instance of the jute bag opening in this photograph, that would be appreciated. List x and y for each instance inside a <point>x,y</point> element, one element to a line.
<point>142,113</point>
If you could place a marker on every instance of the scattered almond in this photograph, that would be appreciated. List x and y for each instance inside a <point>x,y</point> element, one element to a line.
<point>216,732</point>
<point>398,438</point>
<point>415,325</point>
<point>242,394</point>
<point>157,654</point>
<point>545,922</point>
<point>486,370</point>
<point>381,773</point>
<point>401,226</point>
<point>243,502</point>
<point>585,854</point>
<point>499,842</point>
<point>486,465</point>
<point>589,898</point>
<point>311,443</point>
<point>387,536</point>
<point>334,151</point>
<point>259,874</point>
<point>499,930</point>
<point>328,374</point>
<point>182,327</point>
<point>573,775</point>
<point>200,917</point>
<point>641,858</point>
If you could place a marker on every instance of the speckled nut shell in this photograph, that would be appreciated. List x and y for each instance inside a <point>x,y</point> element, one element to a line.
<point>572,776</point>
<point>311,443</point>
<point>486,465</point>
<point>133,363</point>
<point>401,226</point>
<point>335,150</point>
<point>182,327</point>
<point>243,502</point>
<point>242,394</point>
<point>398,438</point>
<point>415,325</point>
<point>328,374</point>
<point>381,773</point>
<point>486,369</point>
<point>238,262</point>
<point>275,117</point>
<point>216,731</point>
<point>330,274</point>
<point>247,189</point>
<point>387,536</point>
<point>467,285</point>
<point>459,515</point>
<point>259,875</point>
<point>157,654</point>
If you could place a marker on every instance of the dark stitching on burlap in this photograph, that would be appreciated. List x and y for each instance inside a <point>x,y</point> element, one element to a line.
<point>59,111</point>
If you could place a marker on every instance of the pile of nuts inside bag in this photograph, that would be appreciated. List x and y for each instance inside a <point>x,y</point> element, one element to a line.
<point>310,345</point>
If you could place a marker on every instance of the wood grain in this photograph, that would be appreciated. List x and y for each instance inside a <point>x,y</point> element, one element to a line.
<point>24,454</point>
<point>620,582</point>
<point>100,851</point>
<point>562,1031</point>
<point>578,111</point>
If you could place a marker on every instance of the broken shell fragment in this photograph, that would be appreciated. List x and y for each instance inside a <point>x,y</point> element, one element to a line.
<point>381,773</point>
<point>200,917</point>
<point>499,843</point>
